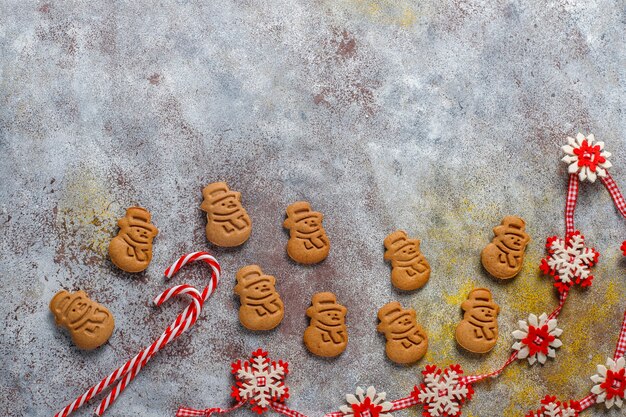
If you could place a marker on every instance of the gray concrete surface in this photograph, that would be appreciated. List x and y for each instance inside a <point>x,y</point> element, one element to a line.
<point>437,117</point>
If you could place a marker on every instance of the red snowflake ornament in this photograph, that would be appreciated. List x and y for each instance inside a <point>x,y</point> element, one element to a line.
<point>443,391</point>
<point>260,381</point>
<point>552,408</point>
<point>623,248</point>
<point>569,261</point>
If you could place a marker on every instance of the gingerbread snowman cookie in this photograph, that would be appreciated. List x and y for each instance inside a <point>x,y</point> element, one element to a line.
<point>308,243</point>
<point>228,223</point>
<point>261,306</point>
<point>131,249</point>
<point>89,323</point>
<point>478,331</point>
<point>503,257</point>
<point>407,341</point>
<point>409,269</point>
<point>327,334</point>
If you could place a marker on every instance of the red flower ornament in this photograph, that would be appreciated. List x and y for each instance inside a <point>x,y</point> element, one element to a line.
<point>537,338</point>
<point>610,383</point>
<point>366,404</point>
<point>584,157</point>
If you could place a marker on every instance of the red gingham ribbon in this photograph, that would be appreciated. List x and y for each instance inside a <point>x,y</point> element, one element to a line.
<point>470,379</point>
<point>587,402</point>
<point>184,320</point>
<point>570,203</point>
<point>207,412</point>
<point>562,298</point>
<point>616,195</point>
<point>403,403</point>
<point>284,410</point>
<point>190,412</point>
<point>572,198</point>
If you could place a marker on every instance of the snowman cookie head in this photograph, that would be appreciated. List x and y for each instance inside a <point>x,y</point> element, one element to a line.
<point>327,334</point>
<point>326,311</point>
<point>252,284</point>
<point>511,233</point>
<point>300,218</point>
<point>136,225</point>
<point>400,248</point>
<point>220,200</point>
<point>228,223</point>
<point>394,320</point>
<point>480,306</point>
<point>89,323</point>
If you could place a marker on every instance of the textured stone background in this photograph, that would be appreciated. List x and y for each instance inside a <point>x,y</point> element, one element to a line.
<point>438,117</point>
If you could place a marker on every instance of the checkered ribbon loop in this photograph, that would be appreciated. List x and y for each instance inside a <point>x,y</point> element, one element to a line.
<point>127,372</point>
<point>278,407</point>
<point>572,199</point>
<point>616,194</point>
<point>208,412</point>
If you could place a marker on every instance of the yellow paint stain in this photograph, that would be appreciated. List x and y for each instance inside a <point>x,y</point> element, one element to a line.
<point>521,392</point>
<point>85,213</point>
<point>391,12</point>
<point>441,345</point>
<point>461,295</point>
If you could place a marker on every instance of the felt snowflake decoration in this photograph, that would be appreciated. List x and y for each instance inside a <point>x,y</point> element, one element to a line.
<point>569,261</point>
<point>610,383</point>
<point>623,248</point>
<point>372,404</point>
<point>537,339</point>
<point>583,157</point>
<point>260,381</point>
<point>443,392</point>
<point>550,407</point>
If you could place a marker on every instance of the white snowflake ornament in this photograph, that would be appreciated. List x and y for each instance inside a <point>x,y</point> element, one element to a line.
<point>569,261</point>
<point>583,157</point>
<point>610,383</point>
<point>537,338</point>
<point>443,391</point>
<point>260,381</point>
<point>372,404</point>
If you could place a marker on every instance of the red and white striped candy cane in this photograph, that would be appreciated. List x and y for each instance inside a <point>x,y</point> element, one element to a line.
<point>184,320</point>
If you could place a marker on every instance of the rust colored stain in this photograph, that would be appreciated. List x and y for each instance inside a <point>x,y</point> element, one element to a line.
<point>155,79</point>
<point>346,45</point>
<point>344,83</point>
